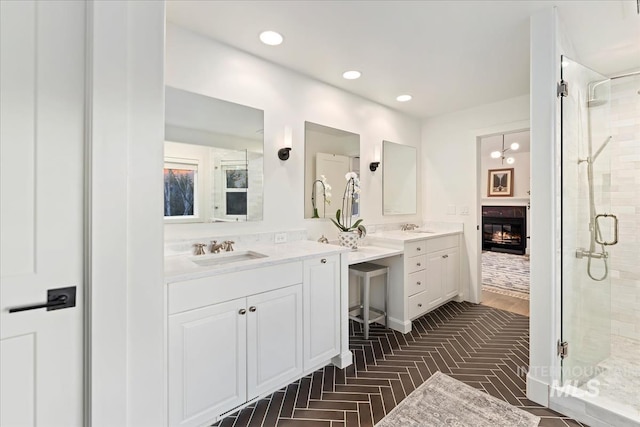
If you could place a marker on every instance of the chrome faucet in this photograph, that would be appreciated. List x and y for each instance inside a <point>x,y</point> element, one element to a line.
<point>199,248</point>
<point>407,227</point>
<point>216,247</point>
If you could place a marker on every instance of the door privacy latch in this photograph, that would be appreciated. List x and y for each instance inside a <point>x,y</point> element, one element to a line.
<point>57,299</point>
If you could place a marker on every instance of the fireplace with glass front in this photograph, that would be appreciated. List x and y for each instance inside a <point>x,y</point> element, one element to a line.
<point>504,229</point>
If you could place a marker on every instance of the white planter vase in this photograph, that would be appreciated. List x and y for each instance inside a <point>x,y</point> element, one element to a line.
<point>349,239</point>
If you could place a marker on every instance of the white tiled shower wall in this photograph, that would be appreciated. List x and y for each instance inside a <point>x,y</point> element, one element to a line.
<point>625,202</point>
<point>586,320</point>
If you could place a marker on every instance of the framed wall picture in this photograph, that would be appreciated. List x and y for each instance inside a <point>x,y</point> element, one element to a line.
<point>500,183</point>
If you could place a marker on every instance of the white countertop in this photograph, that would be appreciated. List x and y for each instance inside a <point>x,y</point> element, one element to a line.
<point>180,267</point>
<point>378,245</point>
<point>399,236</point>
<point>371,253</point>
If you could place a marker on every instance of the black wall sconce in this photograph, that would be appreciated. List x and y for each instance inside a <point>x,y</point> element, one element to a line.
<point>373,166</point>
<point>283,153</point>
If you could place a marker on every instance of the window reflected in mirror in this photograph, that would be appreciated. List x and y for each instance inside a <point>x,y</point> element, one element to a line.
<point>180,188</point>
<point>399,179</point>
<point>213,159</point>
<point>330,154</point>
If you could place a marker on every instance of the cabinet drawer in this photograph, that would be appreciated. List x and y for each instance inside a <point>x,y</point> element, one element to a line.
<point>418,304</point>
<point>415,248</point>
<point>441,243</point>
<point>416,282</point>
<point>416,263</point>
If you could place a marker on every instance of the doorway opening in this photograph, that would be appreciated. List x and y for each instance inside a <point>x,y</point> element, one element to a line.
<point>504,188</point>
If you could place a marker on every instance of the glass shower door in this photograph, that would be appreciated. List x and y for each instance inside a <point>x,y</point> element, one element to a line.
<point>587,226</point>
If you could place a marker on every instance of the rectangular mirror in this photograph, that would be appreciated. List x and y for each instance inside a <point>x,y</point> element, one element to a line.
<point>331,153</point>
<point>399,179</point>
<point>213,156</point>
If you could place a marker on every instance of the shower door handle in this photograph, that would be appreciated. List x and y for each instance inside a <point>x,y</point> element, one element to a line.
<point>615,230</point>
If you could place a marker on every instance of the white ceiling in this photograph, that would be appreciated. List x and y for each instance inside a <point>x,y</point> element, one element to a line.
<point>449,55</point>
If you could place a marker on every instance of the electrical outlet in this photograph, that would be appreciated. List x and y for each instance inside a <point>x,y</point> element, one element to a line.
<point>464,210</point>
<point>280,237</point>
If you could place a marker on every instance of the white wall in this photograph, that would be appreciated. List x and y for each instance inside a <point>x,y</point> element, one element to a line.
<point>547,44</point>
<point>204,66</point>
<point>521,178</point>
<point>451,170</point>
<point>125,334</point>
<point>521,183</point>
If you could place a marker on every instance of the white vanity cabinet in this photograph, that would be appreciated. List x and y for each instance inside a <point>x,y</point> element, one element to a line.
<point>274,339</point>
<point>238,336</point>
<point>231,352</point>
<point>208,348</point>
<point>432,269</point>
<point>425,277</point>
<point>322,319</point>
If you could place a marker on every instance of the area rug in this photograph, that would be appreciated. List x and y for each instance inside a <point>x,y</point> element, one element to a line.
<point>505,274</point>
<point>445,401</point>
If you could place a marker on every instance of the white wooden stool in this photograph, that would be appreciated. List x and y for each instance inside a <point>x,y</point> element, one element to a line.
<point>365,271</point>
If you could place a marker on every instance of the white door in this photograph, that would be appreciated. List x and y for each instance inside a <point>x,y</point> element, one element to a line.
<point>42,120</point>
<point>274,339</point>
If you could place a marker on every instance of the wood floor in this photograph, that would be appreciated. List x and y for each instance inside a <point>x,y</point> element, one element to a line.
<point>505,302</point>
<point>476,344</point>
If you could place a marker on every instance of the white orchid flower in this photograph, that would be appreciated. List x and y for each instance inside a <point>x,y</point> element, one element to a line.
<point>350,175</point>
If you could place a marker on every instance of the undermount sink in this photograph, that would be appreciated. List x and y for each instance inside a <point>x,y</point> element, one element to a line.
<point>226,258</point>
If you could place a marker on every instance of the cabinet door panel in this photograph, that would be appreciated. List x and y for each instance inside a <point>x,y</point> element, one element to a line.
<point>207,363</point>
<point>434,279</point>
<point>451,274</point>
<point>274,339</point>
<point>321,293</point>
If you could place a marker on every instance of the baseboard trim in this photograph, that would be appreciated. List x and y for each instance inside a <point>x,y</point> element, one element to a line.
<point>399,325</point>
<point>537,391</point>
<point>343,360</point>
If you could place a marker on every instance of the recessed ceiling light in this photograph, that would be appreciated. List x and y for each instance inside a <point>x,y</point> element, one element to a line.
<point>271,38</point>
<point>403,98</point>
<point>351,75</point>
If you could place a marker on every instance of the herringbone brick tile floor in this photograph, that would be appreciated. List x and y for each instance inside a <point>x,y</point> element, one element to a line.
<point>481,346</point>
